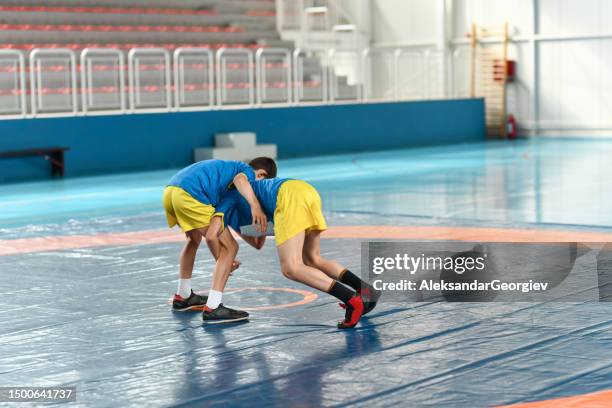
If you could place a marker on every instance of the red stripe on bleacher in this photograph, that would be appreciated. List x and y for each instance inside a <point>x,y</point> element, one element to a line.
<point>109,10</point>
<point>260,13</point>
<point>29,47</point>
<point>141,67</point>
<point>122,28</point>
<point>153,88</point>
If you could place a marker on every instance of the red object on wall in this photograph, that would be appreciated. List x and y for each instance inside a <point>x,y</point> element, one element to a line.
<point>504,70</point>
<point>510,70</point>
<point>511,131</point>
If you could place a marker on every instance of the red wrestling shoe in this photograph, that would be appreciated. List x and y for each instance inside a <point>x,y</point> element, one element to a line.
<point>354,311</point>
<point>370,298</point>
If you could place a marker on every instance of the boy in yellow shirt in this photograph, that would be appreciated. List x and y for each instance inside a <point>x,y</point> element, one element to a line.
<point>295,207</point>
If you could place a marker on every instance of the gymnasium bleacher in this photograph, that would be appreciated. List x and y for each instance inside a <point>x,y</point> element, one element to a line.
<point>78,24</point>
<point>201,28</point>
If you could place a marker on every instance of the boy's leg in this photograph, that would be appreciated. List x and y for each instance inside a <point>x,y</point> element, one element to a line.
<point>312,257</point>
<point>293,266</point>
<point>290,254</point>
<point>188,254</point>
<point>185,299</point>
<point>228,250</point>
<point>215,312</point>
<point>192,216</point>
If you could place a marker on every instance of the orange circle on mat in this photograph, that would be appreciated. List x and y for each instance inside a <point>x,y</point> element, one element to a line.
<point>307,297</point>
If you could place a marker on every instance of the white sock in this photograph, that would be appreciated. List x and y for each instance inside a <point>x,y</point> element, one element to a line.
<point>184,288</point>
<point>214,299</point>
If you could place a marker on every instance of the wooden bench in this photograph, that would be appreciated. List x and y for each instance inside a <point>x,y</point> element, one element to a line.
<point>55,156</point>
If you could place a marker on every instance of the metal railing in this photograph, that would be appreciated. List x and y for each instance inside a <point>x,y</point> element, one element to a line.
<point>311,15</point>
<point>235,77</point>
<point>149,79</point>
<point>193,78</point>
<point>102,80</point>
<point>310,76</point>
<point>53,81</point>
<point>322,24</point>
<point>13,83</point>
<point>273,69</point>
<point>50,82</point>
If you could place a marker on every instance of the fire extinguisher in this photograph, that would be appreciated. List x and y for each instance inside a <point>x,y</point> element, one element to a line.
<point>511,127</point>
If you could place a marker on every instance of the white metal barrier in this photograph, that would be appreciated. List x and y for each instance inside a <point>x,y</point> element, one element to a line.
<point>193,77</point>
<point>317,15</point>
<point>410,75</point>
<point>149,78</point>
<point>53,81</point>
<point>12,83</point>
<point>310,77</point>
<point>198,78</point>
<point>235,77</point>
<point>346,77</point>
<point>102,80</point>
<point>380,75</point>
<point>273,68</point>
<point>434,68</point>
<point>461,68</point>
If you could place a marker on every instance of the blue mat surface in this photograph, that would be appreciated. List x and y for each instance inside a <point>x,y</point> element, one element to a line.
<point>99,318</point>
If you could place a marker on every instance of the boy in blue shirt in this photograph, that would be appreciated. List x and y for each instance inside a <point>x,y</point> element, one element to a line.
<point>189,201</point>
<point>295,207</point>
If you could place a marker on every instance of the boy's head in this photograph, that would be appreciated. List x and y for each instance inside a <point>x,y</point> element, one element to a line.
<point>264,167</point>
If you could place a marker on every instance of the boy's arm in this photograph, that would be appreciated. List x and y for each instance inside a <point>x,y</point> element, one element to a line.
<point>244,188</point>
<point>255,242</point>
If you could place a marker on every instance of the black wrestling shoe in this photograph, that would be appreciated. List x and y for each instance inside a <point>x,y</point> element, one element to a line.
<point>223,314</point>
<point>370,298</point>
<point>193,302</point>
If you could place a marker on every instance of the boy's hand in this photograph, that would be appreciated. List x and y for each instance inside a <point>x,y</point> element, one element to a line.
<point>236,264</point>
<point>244,188</point>
<point>259,218</point>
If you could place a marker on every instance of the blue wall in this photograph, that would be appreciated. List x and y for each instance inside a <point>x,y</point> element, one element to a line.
<point>102,144</point>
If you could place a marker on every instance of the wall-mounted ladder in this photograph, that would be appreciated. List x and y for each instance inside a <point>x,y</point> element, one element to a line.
<point>489,75</point>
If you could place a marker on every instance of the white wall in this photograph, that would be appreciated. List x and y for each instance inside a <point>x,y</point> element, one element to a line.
<point>403,21</point>
<point>563,50</point>
<point>491,13</point>
<point>575,16</point>
<point>575,80</point>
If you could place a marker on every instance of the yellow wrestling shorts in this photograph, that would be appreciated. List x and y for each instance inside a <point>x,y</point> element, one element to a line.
<point>184,210</point>
<point>298,208</point>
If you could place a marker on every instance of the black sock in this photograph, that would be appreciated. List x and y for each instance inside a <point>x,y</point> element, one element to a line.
<point>341,292</point>
<point>349,278</point>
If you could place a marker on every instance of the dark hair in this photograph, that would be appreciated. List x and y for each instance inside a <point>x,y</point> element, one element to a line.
<point>264,163</point>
